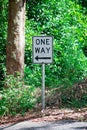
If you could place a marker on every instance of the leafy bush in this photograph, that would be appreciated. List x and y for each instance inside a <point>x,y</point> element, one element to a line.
<point>75,96</point>
<point>67,23</point>
<point>72,97</point>
<point>3,35</point>
<point>18,98</point>
<point>82,2</point>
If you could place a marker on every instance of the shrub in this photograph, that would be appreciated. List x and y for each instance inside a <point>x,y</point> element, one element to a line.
<point>17,98</point>
<point>66,22</point>
<point>3,35</point>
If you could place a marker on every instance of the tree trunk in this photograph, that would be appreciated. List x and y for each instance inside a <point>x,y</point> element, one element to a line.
<point>16,37</point>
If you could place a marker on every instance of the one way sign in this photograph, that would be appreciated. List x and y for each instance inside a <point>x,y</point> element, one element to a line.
<point>42,49</point>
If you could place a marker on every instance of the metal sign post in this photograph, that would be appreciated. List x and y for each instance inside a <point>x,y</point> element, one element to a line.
<point>42,54</point>
<point>43,86</point>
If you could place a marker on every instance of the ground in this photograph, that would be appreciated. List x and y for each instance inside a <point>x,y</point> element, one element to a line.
<point>48,114</point>
<point>53,113</point>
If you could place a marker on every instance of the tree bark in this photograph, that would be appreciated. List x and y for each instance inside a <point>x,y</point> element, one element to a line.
<point>15,37</point>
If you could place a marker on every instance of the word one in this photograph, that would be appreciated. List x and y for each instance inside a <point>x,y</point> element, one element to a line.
<point>42,49</point>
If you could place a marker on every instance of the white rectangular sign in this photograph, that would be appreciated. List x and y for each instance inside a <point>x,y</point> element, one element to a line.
<point>42,49</point>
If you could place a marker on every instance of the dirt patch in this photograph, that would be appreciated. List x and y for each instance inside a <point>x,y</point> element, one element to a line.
<point>48,115</point>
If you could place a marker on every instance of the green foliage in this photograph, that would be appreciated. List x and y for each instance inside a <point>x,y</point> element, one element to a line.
<point>68,96</point>
<point>18,98</point>
<point>32,72</point>
<point>3,35</point>
<point>85,49</point>
<point>75,96</point>
<point>82,2</point>
<point>33,75</point>
<point>66,22</point>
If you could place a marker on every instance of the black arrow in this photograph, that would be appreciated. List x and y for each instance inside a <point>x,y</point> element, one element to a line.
<point>42,58</point>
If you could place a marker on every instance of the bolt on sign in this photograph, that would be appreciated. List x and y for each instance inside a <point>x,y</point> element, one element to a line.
<point>42,49</point>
